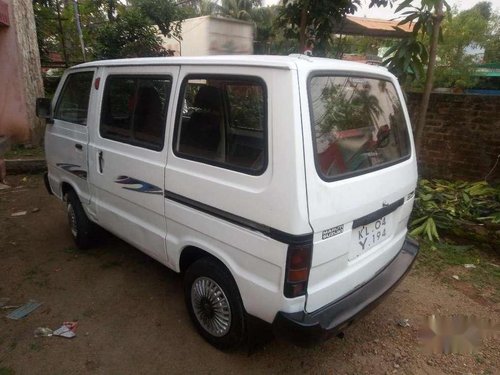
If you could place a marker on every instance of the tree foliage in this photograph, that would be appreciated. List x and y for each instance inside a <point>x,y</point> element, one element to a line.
<point>164,14</point>
<point>346,110</point>
<point>407,58</point>
<point>238,9</point>
<point>129,35</point>
<point>317,20</point>
<point>111,28</point>
<point>463,33</point>
<point>56,28</point>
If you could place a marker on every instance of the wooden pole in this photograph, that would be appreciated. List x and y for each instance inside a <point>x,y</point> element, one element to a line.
<point>79,28</point>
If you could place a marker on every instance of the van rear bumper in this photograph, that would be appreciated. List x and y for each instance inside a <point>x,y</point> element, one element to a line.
<point>307,329</point>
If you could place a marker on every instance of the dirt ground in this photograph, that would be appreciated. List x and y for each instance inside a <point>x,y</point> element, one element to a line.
<point>132,317</point>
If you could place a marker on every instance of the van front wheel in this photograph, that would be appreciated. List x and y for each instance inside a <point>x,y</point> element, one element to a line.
<point>80,225</point>
<point>214,304</point>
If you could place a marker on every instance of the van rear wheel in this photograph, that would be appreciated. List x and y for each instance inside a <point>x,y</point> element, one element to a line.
<point>80,225</point>
<point>214,304</point>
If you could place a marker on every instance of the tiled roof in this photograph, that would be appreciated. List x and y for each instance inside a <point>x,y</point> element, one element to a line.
<point>374,27</point>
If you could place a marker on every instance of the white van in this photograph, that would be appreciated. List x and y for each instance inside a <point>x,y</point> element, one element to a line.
<point>280,187</point>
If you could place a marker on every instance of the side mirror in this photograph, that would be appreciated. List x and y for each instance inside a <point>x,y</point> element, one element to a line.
<point>44,109</point>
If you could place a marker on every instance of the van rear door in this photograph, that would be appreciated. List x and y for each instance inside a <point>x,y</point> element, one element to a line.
<point>361,174</point>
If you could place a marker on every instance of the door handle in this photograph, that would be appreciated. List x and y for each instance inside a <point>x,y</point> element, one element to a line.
<point>100,160</point>
<point>78,146</point>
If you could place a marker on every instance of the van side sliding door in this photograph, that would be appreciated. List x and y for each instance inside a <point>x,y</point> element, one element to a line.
<point>127,154</point>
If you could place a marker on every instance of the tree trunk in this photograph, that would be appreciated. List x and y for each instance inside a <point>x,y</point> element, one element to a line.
<point>302,31</point>
<point>424,104</point>
<point>111,10</point>
<point>30,77</point>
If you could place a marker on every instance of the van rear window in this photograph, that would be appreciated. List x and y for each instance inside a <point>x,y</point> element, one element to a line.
<point>358,125</point>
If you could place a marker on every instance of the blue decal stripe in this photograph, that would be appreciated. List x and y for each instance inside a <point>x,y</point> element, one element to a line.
<point>145,187</point>
<point>73,169</point>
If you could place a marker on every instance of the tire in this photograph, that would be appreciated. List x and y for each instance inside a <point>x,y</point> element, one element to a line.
<point>210,293</point>
<point>80,226</point>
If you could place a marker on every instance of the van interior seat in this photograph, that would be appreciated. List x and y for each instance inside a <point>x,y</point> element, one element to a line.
<point>203,130</point>
<point>246,150</point>
<point>148,115</point>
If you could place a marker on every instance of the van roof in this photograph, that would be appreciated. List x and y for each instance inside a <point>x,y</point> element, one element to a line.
<point>291,62</point>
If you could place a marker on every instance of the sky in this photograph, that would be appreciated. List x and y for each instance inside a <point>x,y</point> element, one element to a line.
<point>388,13</point>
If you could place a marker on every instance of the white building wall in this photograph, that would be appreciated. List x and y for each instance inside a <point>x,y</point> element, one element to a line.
<point>211,35</point>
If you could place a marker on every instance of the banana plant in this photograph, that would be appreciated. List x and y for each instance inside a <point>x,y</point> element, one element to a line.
<point>445,206</point>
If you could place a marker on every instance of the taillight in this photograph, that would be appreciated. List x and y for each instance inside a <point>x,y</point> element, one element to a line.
<point>298,264</point>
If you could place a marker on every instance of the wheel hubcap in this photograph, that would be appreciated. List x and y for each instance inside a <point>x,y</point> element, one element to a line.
<point>211,306</point>
<point>72,220</point>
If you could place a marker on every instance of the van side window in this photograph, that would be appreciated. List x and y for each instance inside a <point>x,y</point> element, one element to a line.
<point>73,103</point>
<point>134,110</point>
<point>223,122</point>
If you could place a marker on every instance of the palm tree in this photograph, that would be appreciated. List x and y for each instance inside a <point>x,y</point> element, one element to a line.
<point>206,7</point>
<point>238,9</point>
<point>368,104</point>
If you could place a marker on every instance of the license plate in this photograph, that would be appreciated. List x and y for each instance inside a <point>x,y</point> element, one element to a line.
<point>368,236</point>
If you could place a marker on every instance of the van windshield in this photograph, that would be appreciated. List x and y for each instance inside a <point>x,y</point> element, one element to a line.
<point>358,125</point>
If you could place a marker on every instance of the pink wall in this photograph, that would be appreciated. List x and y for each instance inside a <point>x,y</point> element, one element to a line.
<point>13,112</point>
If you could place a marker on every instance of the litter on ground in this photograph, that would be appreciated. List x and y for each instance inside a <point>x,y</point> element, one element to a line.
<point>9,307</point>
<point>67,330</point>
<point>24,310</point>
<point>404,322</point>
<point>43,332</point>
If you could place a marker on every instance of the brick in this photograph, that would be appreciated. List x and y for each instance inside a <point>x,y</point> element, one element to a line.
<point>461,135</point>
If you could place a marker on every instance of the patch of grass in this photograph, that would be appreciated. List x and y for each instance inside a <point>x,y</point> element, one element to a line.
<point>438,257</point>
<point>6,371</point>
<point>23,152</point>
<point>31,274</point>
<point>479,359</point>
<point>89,313</point>
<point>35,346</point>
<point>446,254</point>
<point>12,346</point>
<point>37,277</point>
<point>71,250</point>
